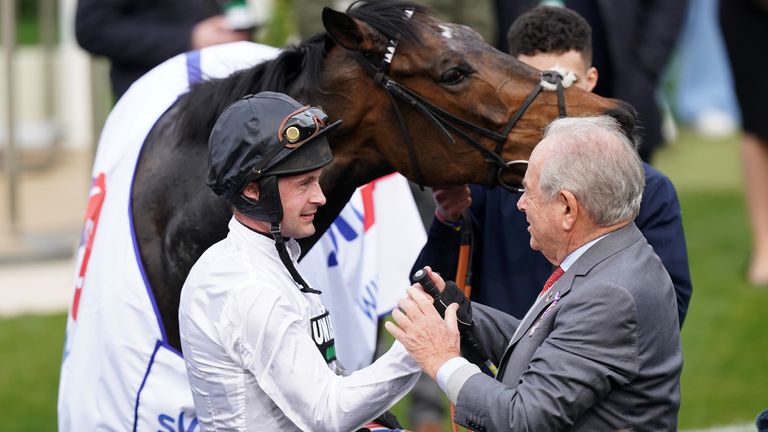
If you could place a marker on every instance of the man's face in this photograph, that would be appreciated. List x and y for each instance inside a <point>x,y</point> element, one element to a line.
<point>571,60</point>
<point>301,196</point>
<point>541,212</point>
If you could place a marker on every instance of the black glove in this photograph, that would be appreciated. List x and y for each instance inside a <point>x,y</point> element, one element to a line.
<point>387,419</point>
<point>452,294</point>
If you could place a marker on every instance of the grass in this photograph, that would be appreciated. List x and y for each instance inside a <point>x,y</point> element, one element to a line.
<point>30,356</point>
<point>725,379</point>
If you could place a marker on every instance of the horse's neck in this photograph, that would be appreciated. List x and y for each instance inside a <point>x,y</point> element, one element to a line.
<point>355,163</point>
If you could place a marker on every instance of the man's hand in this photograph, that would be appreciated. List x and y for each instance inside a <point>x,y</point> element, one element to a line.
<point>215,30</point>
<point>429,339</point>
<point>452,201</point>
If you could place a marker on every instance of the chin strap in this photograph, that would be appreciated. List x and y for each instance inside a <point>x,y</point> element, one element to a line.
<point>282,252</point>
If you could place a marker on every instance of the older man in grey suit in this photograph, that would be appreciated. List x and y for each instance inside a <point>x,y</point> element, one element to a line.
<point>600,348</point>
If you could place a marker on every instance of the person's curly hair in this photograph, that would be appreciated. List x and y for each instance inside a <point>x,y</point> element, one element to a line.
<point>550,29</point>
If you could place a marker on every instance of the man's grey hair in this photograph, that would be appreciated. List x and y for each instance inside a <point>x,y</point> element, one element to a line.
<point>598,163</point>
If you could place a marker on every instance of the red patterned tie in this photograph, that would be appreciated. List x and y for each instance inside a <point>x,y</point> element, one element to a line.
<point>552,279</point>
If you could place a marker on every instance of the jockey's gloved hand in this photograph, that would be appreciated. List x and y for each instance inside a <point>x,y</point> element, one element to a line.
<point>386,421</point>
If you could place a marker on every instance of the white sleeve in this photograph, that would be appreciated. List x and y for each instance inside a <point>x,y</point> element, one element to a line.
<point>272,341</point>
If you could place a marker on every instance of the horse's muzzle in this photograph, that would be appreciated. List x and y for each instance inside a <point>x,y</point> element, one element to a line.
<point>626,115</point>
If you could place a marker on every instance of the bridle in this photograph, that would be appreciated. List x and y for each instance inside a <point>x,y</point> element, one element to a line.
<point>445,121</point>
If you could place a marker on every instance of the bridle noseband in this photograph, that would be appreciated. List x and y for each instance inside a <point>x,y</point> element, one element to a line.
<point>445,121</point>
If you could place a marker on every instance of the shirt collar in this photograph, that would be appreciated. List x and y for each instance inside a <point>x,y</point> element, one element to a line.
<point>573,256</point>
<point>252,238</point>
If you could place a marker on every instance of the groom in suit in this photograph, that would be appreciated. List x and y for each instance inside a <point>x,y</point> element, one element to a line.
<point>600,348</point>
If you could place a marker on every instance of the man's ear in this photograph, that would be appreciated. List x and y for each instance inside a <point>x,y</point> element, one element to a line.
<point>591,78</point>
<point>570,209</point>
<point>251,191</point>
<point>350,33</point>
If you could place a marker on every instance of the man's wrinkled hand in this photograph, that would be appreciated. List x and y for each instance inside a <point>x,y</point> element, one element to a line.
<point>429,339</point>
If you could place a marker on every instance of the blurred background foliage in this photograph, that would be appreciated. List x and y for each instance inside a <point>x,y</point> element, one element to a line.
<point>28,13</point>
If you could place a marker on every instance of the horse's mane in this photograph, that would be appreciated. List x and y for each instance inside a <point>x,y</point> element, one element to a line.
<point>296,67</point>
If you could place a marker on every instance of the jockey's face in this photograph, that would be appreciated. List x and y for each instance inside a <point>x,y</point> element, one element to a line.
<point>301,196</point>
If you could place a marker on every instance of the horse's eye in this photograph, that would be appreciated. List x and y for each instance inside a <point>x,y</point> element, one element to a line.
<point>453,76</point>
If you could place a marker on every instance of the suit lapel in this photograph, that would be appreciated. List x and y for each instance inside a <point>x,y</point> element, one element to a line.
<point>557,291</point>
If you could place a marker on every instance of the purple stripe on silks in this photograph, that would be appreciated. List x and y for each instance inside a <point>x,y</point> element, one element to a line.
<point>158,346</point>
<point>137,254</point>
<point>194,75</point>
<point>144,381</point>
<point>172,349</point>
<point>194,71</point>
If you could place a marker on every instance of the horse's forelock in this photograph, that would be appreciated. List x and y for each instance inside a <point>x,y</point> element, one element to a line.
<point>388,17</point>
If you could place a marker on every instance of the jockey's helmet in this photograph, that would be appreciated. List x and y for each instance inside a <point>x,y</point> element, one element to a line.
<point>259,138</point>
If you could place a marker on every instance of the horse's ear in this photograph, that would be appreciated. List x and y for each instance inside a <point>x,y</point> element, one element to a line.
<point>348,32</point>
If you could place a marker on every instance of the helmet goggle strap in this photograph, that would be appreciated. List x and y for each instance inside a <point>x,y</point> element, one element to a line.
<point>275,229</point>
<point>300,126</point>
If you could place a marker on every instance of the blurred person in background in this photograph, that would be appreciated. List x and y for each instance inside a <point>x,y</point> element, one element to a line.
<point>544,37</point>
<point>473,13</point>
<point>137,35</point>
<point>703,92</point>
<point>632,42</point>
<point>745,29</point>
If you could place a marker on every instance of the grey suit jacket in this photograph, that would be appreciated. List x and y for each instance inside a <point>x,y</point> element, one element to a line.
<point>600,353</point>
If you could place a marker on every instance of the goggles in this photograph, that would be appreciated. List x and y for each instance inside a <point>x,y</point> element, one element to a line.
<point>301,125</point>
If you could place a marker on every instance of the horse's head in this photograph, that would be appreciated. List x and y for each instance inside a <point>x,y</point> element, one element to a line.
<point>441,87</point>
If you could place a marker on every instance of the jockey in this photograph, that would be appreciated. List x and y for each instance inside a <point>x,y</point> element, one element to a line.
<point>257,341</point>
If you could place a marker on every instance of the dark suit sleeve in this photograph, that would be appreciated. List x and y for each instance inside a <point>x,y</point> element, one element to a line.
<point>441,251</point>
<point>660,221</point>
<point>112,28</point>
<point>581,360</point>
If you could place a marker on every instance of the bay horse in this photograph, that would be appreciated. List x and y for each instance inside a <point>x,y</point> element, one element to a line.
<point>416,95</point>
